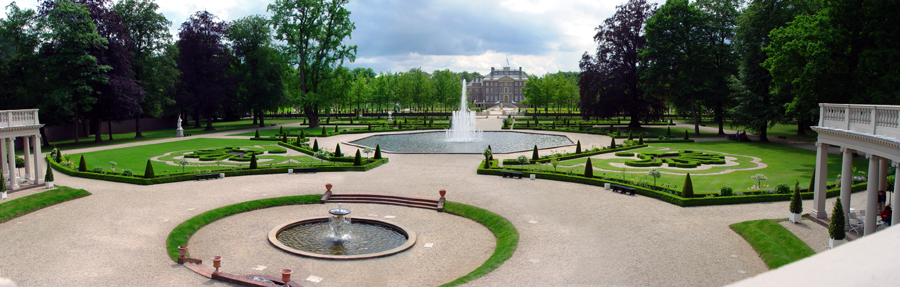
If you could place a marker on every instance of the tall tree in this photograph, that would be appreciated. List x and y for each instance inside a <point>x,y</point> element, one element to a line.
<point>758,107</point>
<point>203,61</point>
<point>69,35</point>
<point>149,34</point>
<point>261,66</point>
<point>721,18</point>
<point>609,81</point>
<point>314,31</point>
<point>447,88</point>
<point>361,91</point>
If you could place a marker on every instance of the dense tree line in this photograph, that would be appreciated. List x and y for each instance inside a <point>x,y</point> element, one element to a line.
<point>760,63</point>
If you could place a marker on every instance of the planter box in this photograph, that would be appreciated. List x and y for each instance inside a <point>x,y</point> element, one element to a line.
<point>221,175</point>
<point>606,186</point>
<point>2,195</point>
<point>532,176</point>
<point>795,218</point>
<point>834,243</point>
<point>49,185</point>
<point>290,171</point>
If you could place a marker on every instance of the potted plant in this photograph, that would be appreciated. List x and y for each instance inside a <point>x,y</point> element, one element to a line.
<point>836,226</point>
<point>796,204</point>
<point>48,177</point>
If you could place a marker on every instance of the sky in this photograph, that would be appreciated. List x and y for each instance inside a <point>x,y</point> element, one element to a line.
<point>541,36</point>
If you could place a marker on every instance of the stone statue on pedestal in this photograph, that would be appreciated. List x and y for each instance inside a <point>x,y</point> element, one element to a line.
<point>180,131</point>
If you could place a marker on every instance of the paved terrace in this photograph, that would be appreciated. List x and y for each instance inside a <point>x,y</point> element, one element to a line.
<point>571,234</point>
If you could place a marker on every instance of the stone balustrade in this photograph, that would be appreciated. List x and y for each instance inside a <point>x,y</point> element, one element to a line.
<point>879,120</point>
<point>14,118</point>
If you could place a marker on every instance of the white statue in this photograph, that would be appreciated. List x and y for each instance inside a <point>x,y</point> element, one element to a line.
<point>179,122</point>
<point>180,131</point>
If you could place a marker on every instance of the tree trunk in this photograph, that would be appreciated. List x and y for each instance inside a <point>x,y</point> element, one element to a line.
<point>721,120</point>
<point>255,114</point>
<point>76,124</point>
<point>98,130</point>
<point>801,126</point>
<point>312,113</point>
<point>197,119</point>
<point>762,133</point>
<point>696,117</point>
<point>137,126</point>
<point>209,119</point>
<point>262,119</point>
<point>109,129</point>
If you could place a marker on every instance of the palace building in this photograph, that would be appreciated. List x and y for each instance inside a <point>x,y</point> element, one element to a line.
<point>500,86</point>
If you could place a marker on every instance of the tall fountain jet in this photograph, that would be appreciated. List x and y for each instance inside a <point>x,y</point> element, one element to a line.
<point>462,126</point>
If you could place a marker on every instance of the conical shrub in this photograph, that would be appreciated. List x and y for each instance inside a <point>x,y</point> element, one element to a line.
<point>578,147</point>
<point>302,134</point>
<point>630,136</point>
<point>669,132</point>
<point>82,166</point>
<point>641,139</point>
<point>357,161</point>
<point>796,202</point>
<point>588,169</point>
<point>612,144</point>
<point>257,134</point>
<point>284,138</point>
<point>253,164</point>
<point>316,145</point>
<point>377,152</point>
<point>48,176</point>
<point>836,226</point>
<point>688,190</point>
<point>324,132</point>
<point>148,171</point>
<point>534,154</point>
<point>686,135</point>
<point>337,151</point>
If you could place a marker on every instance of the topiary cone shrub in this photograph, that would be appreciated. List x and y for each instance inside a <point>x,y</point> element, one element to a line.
<point>316,145</point>
<point>836,226</point>
<point>686,134</point>
<point>377,152</point>
<point>281,130</point>
<point>335,128</point>
<point>578,147</point>
<point>148,171</point>
<point>668,132</point>
<point>688,190</point>
<point>588,169</point>
<point>302,134</point>
<point>253,161</point>
<point>82,166</point>
<point>284,138</point>
<point>796,202</point>
<point>612,144</point>
<point>534,154</point>
<point>630,136</point>
<point>257,134</point>
<point>324,132</point>
<point>299,136</point>
<point>357,161</point>
<point>48,176</point>
<point>641,139</point>
<point>337,151</point>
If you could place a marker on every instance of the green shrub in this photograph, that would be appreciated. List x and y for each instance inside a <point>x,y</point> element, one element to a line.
<point>2,183</point>
<point>686,135</point>
<point>82,166</point>
<point>796,203</point>
<point>668,132</point>
<point>127,172</point>
<point>612,144</point>
<point>377,152</point>
<point>688,188</point>
<point>836,226</point>
<point>782,188</point>
<point>578,147</point>
<point>253,161</point>
<point>641,139</point>
<point>315,145</point>
<point>630,136</point>
<point>284,138</point>
<point>148,171</point>
<point>257,134</point>
<point>48,176</point>
<point>624,153</point>
<point>337,150</point>
<point>302,134</point>
<point>726,191</point>
<point>588,169</point>
<point>97,169</point>
<point>335,128</point>
<point>534,154</point>
<point>324,132</point>
<point>357,161</point>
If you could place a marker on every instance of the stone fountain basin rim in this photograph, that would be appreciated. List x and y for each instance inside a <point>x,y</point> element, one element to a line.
<point>350,143</point>
<point>410,239</point>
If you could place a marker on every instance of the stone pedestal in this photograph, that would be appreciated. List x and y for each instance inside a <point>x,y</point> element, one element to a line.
<point>179,132</point>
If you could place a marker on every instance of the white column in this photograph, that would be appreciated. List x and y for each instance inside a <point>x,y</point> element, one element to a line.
<point>895,199</point>
<point>872,194</point>
<point>3,158</point>
<point>819,210</point>
<point>11,162</point>
<point>882,175</point>
<point>38,159</point>
<point>27,157</point>
<point>846,178</point>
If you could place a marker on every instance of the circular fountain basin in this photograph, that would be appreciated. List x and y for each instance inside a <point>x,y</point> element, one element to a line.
<point>434,142</point>
<point>371,238</point>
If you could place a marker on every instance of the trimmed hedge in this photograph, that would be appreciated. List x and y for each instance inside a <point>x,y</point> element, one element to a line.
<point>546,159</point>
<point>663,196</point>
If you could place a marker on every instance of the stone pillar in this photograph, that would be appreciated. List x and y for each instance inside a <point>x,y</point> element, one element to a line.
<point>872,194</point>
<point>895,198</point>
<point>11,163</point>
<point>846,178</point>
<point>819,209</point>
<point>36,145</point>
<point>3,158</point>
<point>27,157</point>
<point>882,175</point>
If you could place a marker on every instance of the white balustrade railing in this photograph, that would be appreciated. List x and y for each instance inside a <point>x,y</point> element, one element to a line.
<point>878,120</point>
<point>15,118</point>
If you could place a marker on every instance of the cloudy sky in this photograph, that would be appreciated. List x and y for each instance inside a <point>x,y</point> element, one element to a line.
<point>464,35</point>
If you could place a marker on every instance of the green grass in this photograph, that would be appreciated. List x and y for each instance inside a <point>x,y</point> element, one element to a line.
<point>23,205</point>
<point>166,133</point>
<point>784,164</point>
<point>775,244</point>
<point>506,234</point>
<point>786,130</point>
<point>293,132</point>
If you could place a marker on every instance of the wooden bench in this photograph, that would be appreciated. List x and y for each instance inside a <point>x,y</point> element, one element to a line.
<point>510,174</point>
<point>207,176</point>
<point>306,169</point>
<point>622,189</point>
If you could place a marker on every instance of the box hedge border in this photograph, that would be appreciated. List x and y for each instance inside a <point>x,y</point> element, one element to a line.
<point>546,159</point>
<point>667,197</point>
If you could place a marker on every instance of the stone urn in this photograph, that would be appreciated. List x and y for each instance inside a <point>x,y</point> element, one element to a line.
<point>286,275</point>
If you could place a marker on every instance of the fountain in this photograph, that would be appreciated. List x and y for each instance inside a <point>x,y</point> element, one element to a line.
<point>462,125</point>
<point>336,237</point>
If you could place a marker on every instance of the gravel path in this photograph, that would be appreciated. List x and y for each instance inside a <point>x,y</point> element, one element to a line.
<point>570,234</point>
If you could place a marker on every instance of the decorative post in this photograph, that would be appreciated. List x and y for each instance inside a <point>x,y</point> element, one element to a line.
<point>217,262</point>
<point>440,205</point>
<point>286,275</point>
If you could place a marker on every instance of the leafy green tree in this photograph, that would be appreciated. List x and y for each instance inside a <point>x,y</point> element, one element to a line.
<point>447,87</point>
<point>314,32</point>
<point>203,61</point>
<point>261,66</point>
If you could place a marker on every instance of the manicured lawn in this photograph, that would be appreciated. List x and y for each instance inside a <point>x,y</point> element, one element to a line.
<point>166,133</point>
<point>23,205</point>
<point>135,158</point>
<point>784,164</point>
<point>775,244</point>
<point>786,130</point>
<point>293,132</point>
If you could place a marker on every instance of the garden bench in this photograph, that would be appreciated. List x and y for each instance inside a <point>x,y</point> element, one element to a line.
<point>207,176</point>
<point>306,169</point>
<point>731,137</point>
<point>622,189</point>
<point>510,174</point>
